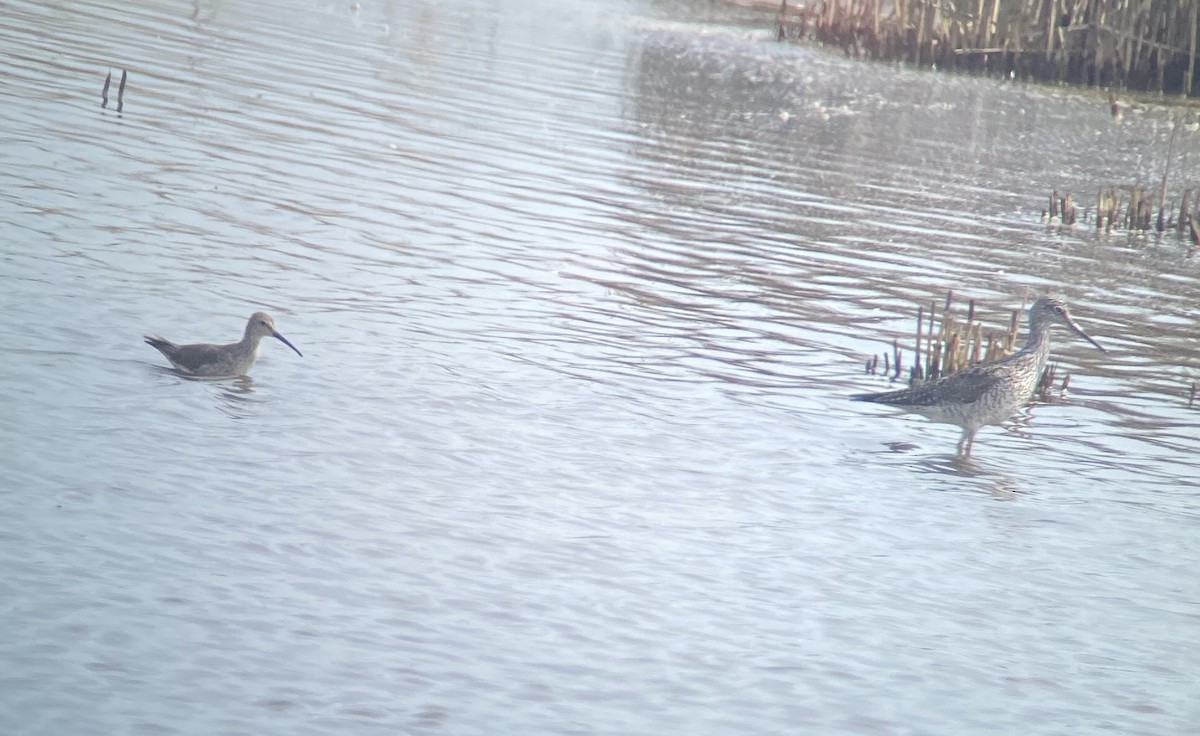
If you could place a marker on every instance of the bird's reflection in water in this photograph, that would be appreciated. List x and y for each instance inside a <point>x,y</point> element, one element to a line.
<point>1005,488</point>
<point>956,464</point>
<point>979,474</point>
<point>235,397</point>
<point>994,480</point>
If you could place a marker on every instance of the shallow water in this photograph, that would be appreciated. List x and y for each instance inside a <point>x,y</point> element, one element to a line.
<point>581,293</point>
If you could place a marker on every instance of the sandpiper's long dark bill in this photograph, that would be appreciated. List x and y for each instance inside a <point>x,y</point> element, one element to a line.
<point>1065,319</point>
<point>988,393</point>
<point>218,361</point>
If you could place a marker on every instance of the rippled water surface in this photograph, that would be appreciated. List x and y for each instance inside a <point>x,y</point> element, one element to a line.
<point>582,289</point>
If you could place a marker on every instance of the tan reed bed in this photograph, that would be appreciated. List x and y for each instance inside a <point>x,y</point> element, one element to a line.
<point>1137,44</point>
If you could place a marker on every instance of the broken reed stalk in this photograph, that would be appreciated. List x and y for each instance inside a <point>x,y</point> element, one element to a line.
<point>917,356</point>
<point>976,342</point>
<point>1135,206</point>
<point>1106,208</point>
<point>1190,78</point>
<point>1047,380</point>
<point>1162,192</point>
<point>1068,210</point>
<point>121,91</point>
<point>931,348</point>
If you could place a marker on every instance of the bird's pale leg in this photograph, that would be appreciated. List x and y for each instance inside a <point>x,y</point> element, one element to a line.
<point>965,443</point>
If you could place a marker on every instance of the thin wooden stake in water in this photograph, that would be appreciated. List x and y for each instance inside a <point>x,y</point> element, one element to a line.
<point>104,92</point>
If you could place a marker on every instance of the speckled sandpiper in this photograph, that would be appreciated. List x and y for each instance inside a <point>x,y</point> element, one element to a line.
<point>987,393</point>
<point>219,361</point>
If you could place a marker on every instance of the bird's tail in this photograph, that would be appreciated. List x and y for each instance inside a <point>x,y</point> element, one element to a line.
<point>883,395</point>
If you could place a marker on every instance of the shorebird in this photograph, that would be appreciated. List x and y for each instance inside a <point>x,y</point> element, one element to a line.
<point>987,393</point>
<point>220,361</point>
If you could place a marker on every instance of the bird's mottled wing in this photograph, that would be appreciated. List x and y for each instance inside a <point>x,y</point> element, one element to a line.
<point>963,387</point>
